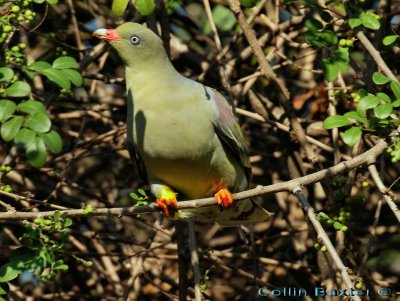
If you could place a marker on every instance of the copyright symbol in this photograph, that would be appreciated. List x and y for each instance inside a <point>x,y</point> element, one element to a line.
<point>385,291</point>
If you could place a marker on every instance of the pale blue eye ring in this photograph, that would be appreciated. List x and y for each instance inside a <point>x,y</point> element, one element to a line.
<point>135,40</point>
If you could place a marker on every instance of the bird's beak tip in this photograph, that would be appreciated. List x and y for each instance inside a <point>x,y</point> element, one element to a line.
<point>106,34</point>
<point>100,33</point>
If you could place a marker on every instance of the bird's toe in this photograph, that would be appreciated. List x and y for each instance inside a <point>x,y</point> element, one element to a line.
<point>224,198</point>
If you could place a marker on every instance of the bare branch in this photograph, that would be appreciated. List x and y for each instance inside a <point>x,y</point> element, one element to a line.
<point>368,157</point>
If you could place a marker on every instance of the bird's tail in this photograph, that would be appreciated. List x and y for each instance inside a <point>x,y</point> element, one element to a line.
<point>250,212</point>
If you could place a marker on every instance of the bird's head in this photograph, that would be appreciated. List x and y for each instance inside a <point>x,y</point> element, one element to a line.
<point>135,43</point>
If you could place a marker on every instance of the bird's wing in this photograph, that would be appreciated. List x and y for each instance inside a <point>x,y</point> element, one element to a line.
<point>229,132</point>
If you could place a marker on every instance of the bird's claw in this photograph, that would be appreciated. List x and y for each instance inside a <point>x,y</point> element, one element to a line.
<point>169,206</point>
<point>224,198</point>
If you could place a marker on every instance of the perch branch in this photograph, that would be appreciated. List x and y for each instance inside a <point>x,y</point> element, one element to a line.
<point>369,157</point>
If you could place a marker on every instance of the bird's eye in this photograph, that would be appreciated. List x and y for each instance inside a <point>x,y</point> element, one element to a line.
<point>135,40</point>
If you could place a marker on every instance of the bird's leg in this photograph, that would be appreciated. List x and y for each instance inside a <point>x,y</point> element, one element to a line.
<point>224,198</point>
<point>165,199</point>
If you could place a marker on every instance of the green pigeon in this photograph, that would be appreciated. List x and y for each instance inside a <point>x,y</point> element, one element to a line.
<point>183,136</point>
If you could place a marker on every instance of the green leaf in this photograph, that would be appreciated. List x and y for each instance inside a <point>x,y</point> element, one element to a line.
<point>119,6</point>
<point>18,89</point>
<point>352,135</point>
<point>6,74</point>
<point>38,122</point>
<point>224,18</point>
<point>10,128</point>
<point>40,66</point>
<point>336,121</point>
<point>389,39</point>
<point>65,62</point>
<point>354,22</point>
<point>2,292</point>
<point>341,59</point>
<point>382,111</point>
<point>337,225</point>
<point>354,115</point>
<point>331,70</point>
<point>384,97</point>
<point>249,3</point>
<point>395,86</point>
<point>329,37</point>
<point>313,24</point>
<point>67,222</point>
<point>9,272</point>
<point>7,108</point>
<point>396,103</point>
<point>52,1</point>
<point>57,77</point>
<point>379,78</point>
<point>73,76</point>
<point>363,93</point>
<point>31,107</point>
<point>370,20</point>
<point>25,138</point>
<point>61,267</point>
<point>368,102</point>
<point>36,153</point>
<point>53,141</point>
<point>145,7</point>
<point>325,38</point>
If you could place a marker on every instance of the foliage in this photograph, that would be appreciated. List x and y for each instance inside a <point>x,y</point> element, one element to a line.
<point>44,243</point>
<point>374,112</point>
<point>23,119</point>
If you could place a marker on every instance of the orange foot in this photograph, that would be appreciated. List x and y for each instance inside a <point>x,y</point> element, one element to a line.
<point>224,198</point>
<point>169,206</point>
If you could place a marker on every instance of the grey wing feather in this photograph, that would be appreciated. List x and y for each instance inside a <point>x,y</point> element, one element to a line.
<point>229,132</point>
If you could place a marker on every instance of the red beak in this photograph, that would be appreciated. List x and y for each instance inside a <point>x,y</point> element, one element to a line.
<point>107,34</point>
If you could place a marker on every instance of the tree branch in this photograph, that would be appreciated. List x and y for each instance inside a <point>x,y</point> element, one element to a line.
<point>369,157</point>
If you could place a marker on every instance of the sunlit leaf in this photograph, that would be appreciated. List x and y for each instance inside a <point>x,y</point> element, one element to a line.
<point>57,77</point>
<point>18,89</point>
<point>65,62</point>
<point>7,108</point>
<point>31,106</point>
<point>145,7</point>
<point>38,122</point>
<point>379,78</point>
<point>53,141</point>
<point>382,111</point>
<point>6,74</point>
<point>388,40</point>
<point>336,121</point>
<point>370,20</point>
<point>73,76</point>
<point>367,102</point>
<point>119,6</point>
<point>10,128</point>
<point>352,135</point>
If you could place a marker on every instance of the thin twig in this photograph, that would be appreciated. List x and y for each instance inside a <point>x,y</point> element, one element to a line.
<point>325,239</point>
<point>270,75</point>
<point>376,55</point>
<point>387,194</point>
